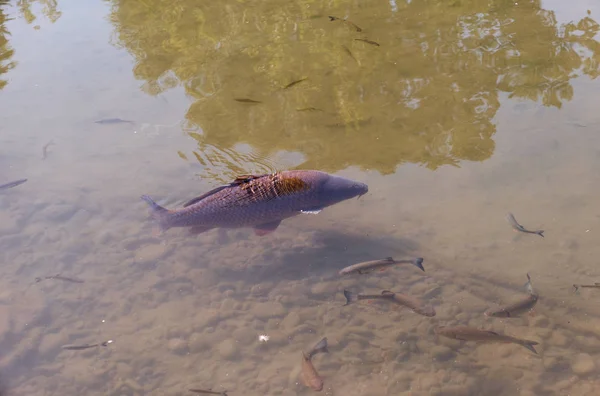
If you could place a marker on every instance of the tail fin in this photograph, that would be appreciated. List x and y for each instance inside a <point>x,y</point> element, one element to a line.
<point>540,233</point>
<point>529,345</point>
<point>418,262</point>
<point>320,347</point>
<point>160,214</point>
<point>529,286</point>
<point>350,297</point>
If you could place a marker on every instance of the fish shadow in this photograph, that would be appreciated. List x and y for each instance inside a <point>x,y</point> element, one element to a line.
<point>332,251</point>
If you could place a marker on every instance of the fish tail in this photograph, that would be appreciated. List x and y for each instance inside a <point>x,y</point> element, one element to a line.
<point>529,345</point>
<point>320,347</point>
<point>160,214</point>
<point>529,285</point>
<point>418,262</point>
<point>350,297</point>
<point>540,233</point>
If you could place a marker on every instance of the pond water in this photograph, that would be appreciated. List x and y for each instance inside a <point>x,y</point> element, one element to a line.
<point>453,112</point>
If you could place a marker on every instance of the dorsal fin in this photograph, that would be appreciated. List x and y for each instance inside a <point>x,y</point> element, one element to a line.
<point>201,197</point>
<point>241,179</point>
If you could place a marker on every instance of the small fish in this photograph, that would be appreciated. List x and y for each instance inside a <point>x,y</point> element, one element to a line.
<point>413,303</point>
<point>12,184</point>
<point>595,286</point>
<point>519,307</point>
<point>60,277</point>
<point>45,149</point>
<point>332,18</point>
<point>73,347</point>
<point>309,374</point>
<point>260,202</point>
<point>113,121</point>
<point>370,266</point>
<point>465,333</point>
<point>208,392</point>
<point>513,222</point>
<point>309,109</point>
<point>367,41</point>
<point>294,83</point>
<point>350,54</point>
<point>246,100</point>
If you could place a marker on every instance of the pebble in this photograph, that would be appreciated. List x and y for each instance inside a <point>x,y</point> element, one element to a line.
<point>150,253</point>
<point>291,321</point>
<point>583,364</point>
<point>442,353</point>
<point>228,349</point>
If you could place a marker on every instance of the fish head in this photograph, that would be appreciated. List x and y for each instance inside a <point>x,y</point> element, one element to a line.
<point>334,189</point>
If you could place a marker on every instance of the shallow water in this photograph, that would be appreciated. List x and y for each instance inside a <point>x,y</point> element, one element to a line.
<point>467,110</point>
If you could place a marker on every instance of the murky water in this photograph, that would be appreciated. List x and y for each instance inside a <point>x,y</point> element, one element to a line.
<point>465,111</point>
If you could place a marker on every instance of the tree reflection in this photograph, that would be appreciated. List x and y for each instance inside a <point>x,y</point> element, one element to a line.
<point>427,95</point>
<point>6,52</point>
<point>49,9</point>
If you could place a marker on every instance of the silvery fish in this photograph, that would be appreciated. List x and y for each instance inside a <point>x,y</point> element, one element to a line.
<point>413,303</point>
<point>518,227</point>
<point>465,333</point>
<point>519,307</point>
<point>309,374</point>
<point>12,184</point>
<point>260,202</point>
<point>369,266</point>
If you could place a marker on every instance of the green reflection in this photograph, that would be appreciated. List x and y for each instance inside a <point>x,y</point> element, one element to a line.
<point>6,52</point>
<point>427,95</point>
<point>49,9</point>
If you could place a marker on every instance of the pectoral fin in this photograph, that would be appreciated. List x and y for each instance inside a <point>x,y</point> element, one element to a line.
<point>199,230</point>
<point>267,228</point>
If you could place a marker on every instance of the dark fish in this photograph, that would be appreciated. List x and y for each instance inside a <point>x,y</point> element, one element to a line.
<point>45,149</point>
<point>519,307</point>
<point>294,83</point>
<point>309,109</point>
<point>60,277</point>
<point>370,266</point>
<point>113,121</point>
<point>85,346</point>
<point>350,54</point>
<point>12,184</point>
<point>246,100</point>
<point>413,303</point>
<point>332,18</point>
<point>208,392</point>
<point>309,374</point>
<point>513,222</point>
<point>260,202</point>
<point>595,286</point>
<point>367,41</point>
<point>465,333</point>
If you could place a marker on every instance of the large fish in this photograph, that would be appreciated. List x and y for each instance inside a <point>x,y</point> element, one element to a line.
<point>465,333</point>
<point>309,374</point>
<point>260,202</point>
<point>519,307</point>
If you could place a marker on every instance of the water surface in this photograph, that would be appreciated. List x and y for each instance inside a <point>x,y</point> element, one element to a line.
<point>466,111</point>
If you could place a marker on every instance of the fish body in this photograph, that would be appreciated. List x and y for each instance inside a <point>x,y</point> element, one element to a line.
<point>113,121</point>
<point>295,82</point>
<point>309,374</point>
<point>260,202</point>
<point>370,266</point>
<point>417,305</point>
<point>246,100</point>
<point>367,41</point>
<point>353,25</point>
<point>465,333</point>
<point>594,286</point>
<point>519,307</point>
<point>515,225</point>
<point>208,392</point>
<point>12,184</point>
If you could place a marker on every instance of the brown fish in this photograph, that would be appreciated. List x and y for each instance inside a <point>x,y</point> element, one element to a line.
<point>367,41</point>
<point>260,202</point>
<point>518,227</point>
<point>12,184</point>
<point>85,346</point>
<point>60,277</point>
<point>309,374</point>
<point>295,82</point>
<point>370,266</point>
<point>595,286</point>
<point>246,100</point>
<point>465,333</point>
<point>208,392</point>
<point>413,303</point>
<point>347,50</point>
<point>519,307</point>
<point>332,18</point>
